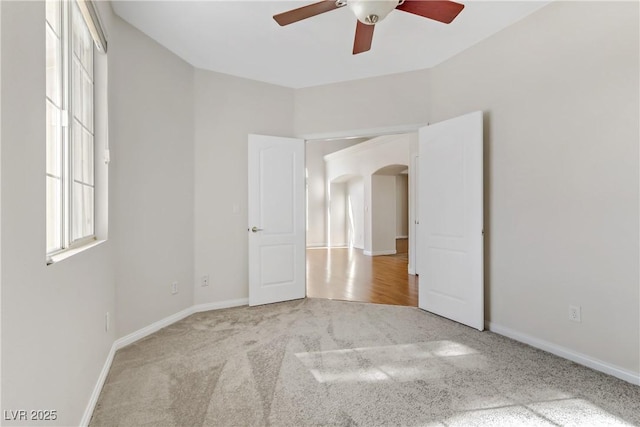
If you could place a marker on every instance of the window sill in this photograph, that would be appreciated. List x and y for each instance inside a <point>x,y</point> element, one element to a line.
<point>61,256</point>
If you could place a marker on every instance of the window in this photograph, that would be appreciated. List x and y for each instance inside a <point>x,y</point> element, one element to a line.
<point>70,136</point>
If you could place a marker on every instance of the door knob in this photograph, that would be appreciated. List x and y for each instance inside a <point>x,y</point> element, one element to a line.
<point>255,229</point>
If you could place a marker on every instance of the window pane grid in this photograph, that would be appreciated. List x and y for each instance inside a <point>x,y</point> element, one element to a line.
<point>82,96</point>
<point>82,192</point>
<point>82,42</point>
<point>54,15</point>
<point>83,211</point>
<point>70,146</point>
<point>54,68</point>
<point>54,141</point>
<point>83,155</point>
<point>54,214</point>
<point>78,122</point>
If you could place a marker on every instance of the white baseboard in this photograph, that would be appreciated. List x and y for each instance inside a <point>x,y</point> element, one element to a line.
<point>316,245</point>
<point>142,333</point>
<point>582,359</point>
<point>154,327</point>
<point>376,253</point>
<point>93,400</point>
<point>220,305</point>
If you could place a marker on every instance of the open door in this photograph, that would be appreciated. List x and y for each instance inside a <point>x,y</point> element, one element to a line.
<point>276,219</point>
<point>451,255</point>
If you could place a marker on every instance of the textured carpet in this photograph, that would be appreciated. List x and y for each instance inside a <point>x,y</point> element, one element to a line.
<point>322,362</point>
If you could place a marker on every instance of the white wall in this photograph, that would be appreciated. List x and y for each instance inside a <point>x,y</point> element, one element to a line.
<point>151,112</point>
<point>54,342</point>
<point>338,214</point>
<point>370,156</point>
<point>316,212</point>
<point>364,160</point>
<point>355,196</point>
<point>402,205</point>
<point>560,94</point>
<point>364,104</point>
<point>383,215</point>
<point>227,109</point>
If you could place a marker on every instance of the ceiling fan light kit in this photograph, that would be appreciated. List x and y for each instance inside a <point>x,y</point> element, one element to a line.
<point>370,12</point>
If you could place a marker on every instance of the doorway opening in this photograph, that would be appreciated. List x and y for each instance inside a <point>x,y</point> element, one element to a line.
<point>360,219</point>
<point>450,196</point>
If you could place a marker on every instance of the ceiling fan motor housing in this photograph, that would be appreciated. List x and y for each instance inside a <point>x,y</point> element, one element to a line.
<point>371,11</point>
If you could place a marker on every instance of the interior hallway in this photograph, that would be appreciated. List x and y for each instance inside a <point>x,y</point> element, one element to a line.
<point>347,274</point>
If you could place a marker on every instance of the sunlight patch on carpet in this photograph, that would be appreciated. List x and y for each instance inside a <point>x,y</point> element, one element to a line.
<point>402,362</point>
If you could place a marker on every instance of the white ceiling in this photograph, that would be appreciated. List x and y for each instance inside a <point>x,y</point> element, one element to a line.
<point>241,38</point>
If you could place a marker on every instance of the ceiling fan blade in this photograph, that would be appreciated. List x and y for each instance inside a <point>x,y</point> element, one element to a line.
<point>364,36</point>
<point>305,12</point>
<point>442,11</point>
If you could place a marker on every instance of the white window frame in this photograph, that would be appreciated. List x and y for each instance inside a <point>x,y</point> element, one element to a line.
<point>67,124</point>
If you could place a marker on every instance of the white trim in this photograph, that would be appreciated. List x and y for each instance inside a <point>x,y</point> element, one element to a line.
<point>402,237</point>
<point>369,132</point>
<point>142,333</point>
<point>377,253</point>
<point>154,327</point>
<point>316,245</point>
<point>364,146</point>
<point>88,412</point>
<point>582,359</point>
<point>69,252</point>
<point>220,305</point>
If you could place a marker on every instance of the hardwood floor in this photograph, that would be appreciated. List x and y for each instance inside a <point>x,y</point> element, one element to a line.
<point>347,274</point>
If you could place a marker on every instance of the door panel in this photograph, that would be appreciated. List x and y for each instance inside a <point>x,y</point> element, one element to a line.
<point>451,254</point>
<point>276,213</point>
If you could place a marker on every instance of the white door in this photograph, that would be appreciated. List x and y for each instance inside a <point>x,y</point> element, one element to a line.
<point>415,215</point>
<point>451,252</point>
<point>276,219</point>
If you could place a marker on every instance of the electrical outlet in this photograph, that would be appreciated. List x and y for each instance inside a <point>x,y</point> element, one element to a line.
<point>106,322</point>
<point>174,288</point>
<point>204,280</point>
<point>574,313</point>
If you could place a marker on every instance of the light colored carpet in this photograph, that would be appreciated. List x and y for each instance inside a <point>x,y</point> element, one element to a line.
<point>322,362</point>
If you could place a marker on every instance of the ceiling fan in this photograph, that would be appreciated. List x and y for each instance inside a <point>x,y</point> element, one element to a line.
<point>370,12</point>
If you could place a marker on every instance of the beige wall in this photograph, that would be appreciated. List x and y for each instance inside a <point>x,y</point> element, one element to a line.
<point>54,342</point>
<point>374,102</point>
<point>226,110</point>
<point>560,95</point>
<point>152,185</point>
